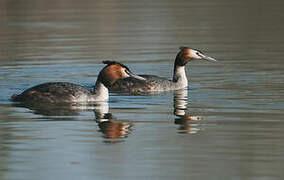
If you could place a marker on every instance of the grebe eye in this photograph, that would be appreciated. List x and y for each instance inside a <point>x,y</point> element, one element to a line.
<point>126,71</point>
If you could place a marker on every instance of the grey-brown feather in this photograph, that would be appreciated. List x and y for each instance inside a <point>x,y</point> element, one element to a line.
<point>151,84</point>
<point>53,92</point>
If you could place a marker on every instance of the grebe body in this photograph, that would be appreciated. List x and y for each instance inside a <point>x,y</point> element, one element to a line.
<point>153,83</point>
<point>62,92</point>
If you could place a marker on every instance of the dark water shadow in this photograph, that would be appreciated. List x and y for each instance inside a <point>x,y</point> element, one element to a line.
<point>48,109</point>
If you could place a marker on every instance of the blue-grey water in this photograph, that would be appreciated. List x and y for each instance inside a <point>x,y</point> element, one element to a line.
<point>228,125</point>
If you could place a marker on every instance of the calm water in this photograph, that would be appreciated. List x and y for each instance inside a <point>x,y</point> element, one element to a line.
<point>227,125</point>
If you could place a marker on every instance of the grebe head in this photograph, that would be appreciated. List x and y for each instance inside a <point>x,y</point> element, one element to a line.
<point>115,71</point>
<point>187,54</point>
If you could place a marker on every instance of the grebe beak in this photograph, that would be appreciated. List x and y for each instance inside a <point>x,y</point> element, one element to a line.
<point>135,76</point>
<point>207,58</point>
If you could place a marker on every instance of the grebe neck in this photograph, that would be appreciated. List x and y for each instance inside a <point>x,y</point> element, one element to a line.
<point>100,92</point>
<point>179,76</point>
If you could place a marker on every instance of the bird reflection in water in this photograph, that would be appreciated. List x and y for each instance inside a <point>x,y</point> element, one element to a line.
<point>110,126</point>
<point>54,111</point>
<point>188,123</point>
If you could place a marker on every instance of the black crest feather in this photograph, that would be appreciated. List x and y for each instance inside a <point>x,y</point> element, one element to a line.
<point>108,62</point>
<point>183,47</point>
<point>186,47</point>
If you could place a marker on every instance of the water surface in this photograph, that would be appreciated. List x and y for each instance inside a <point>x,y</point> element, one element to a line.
<point>227,125</point>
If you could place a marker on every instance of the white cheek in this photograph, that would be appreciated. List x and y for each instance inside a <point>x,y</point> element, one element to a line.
<point>125,74</point>
<point>194,55</point>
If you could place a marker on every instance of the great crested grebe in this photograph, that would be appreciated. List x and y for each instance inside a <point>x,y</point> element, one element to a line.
<point>154,83</point>
<point>60,92</point>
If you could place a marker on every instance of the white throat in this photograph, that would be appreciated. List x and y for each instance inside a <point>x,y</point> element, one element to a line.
<point>100,92</point>
<point>180,76</point>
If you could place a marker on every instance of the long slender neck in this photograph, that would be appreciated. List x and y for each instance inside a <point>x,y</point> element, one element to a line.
<point>100,92</point>
<point>179,76</point>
